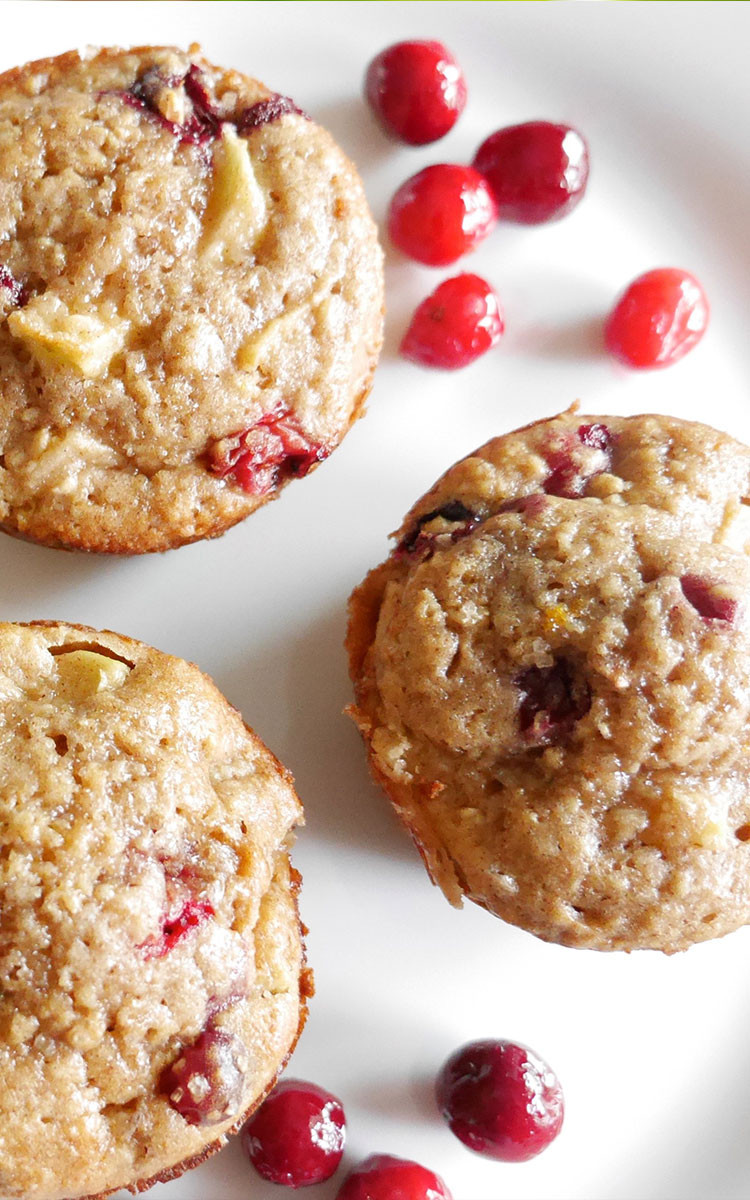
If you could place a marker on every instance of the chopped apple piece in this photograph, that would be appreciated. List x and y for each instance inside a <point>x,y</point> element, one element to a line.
<point>236,209</point>
<point>83,673</point>
<point>53,333</point>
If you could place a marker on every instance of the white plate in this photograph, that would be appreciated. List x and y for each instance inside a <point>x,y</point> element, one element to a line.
<point>652,1051</point>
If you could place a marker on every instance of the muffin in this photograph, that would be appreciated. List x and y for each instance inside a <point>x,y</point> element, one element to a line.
<point>152,976</point>
<point>190,298</point>
<point>552,674</point>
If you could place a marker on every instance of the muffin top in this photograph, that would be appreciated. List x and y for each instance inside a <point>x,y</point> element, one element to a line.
<point>151,963</point>
<point>190,298</point>
<point>553,676</point>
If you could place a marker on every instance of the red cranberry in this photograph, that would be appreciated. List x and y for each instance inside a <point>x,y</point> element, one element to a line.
<point>417,90</point>
<point>658,318</point>
<point>570,469</point>
<point>205,1082</point>
<point>269,452</point>
<point>501,1100</point>
<point>441,213</point>
<point>552,700</point>
<point>383,1177</point>
<point>188,916</point>
<point>265,111</point>
<point>707,599</point>
<point>419,543</point>
<point>537,171</point>
<point>457,323</point>
<point>297,1135</point>
<point>203,123</point>
<point>9,283</point>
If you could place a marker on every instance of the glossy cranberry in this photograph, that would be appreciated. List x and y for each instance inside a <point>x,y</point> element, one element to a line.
<point>205,1082</point>
<point>552,700</point>
<point>297,1135</point>
<point>708,599</point>
<point>266,454</point>
<point>537,171</point>
<point>417,91</point>
<point>420,543</point>
<point>457,323</point>
<point>383,1177</point>
<point>441,213</point>
<point>500,1100</point>
<point>659,317</point>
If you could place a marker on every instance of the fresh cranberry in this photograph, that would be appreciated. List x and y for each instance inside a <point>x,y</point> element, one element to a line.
<point>417,90</point>
<point>537,171</point>
<point>441,213</point>
<point>501,1100</point>
<point>552,700</point>
<point>272,109</point>
<point>383,1177</point>
<point>9,283</point>
<point>205,1082</point>
<point>658,318</point>
<point>457,323</point>
<point>297,1135</point>
<point>260,458</point>
<point>711,603</point>
<point>189,914</point>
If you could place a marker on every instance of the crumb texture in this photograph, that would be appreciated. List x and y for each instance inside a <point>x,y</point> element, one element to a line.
<point>181,255</point>
<point>552,672</point>
<point>147,903</point>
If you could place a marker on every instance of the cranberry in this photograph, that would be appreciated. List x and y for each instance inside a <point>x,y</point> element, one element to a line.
<point>457,323</point>
<point>537,171</point>
<point>189,915</point>
<point>16,291</point>
<point>552,700</point>
<point>658,318</point>
<point>501,1099</point>
<point>441,213</point>
<point>707,599</point>
<point>417,90</point>
<point>203,123</point>
<point>297,1135</point>
<point>272,109</point>
<point>419,543</point>
<point>383,1177</point>
<point>270,451</point>
<point>597,437</point>
<point>205,1082</point>
<point>570,469</point>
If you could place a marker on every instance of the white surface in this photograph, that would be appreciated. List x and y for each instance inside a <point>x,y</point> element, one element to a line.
<point>652,1052</point>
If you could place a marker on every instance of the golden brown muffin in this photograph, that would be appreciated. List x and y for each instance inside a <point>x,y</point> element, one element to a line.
<point>552,672</point>
<point>190,298</point>
<point>152,977</point>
